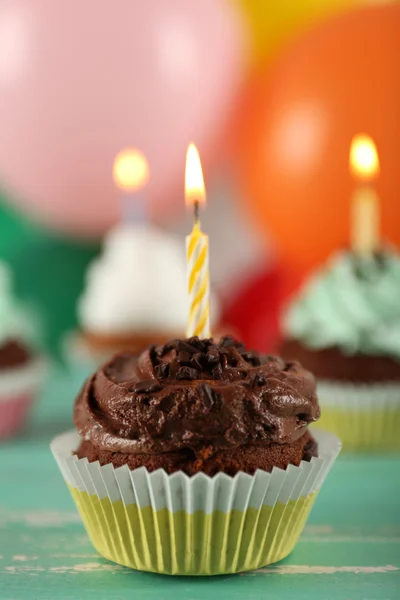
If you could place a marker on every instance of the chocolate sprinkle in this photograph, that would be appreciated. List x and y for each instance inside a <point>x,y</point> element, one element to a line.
<point>146,387</point>
<point>213,356</point>
<point>258,380</point>
<point>206,394</point>
<point>186,373</point>
<point>184,357</point>
<point>217,373</point>
<point>162,371</point>
<point>199,361</point>
<point>182,346</point>
<point>252,358</point>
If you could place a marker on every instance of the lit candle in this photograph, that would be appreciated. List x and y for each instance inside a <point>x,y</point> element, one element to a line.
<point>130,174</point>
<point>364,165</point>
<point>197,251</point>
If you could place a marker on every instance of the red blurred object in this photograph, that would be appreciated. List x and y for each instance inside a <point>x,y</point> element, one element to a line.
<point>296,127</point>
<point>254,310</point>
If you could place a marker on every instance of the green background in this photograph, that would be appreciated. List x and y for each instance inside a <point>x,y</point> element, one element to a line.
<point>48,271</point>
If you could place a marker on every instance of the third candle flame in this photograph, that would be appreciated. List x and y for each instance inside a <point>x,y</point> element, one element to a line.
<point>364,160</point>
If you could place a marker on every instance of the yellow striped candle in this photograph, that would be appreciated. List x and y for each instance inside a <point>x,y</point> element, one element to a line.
<point>197,251</point>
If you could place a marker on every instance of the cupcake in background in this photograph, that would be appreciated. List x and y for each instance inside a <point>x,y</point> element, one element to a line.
<point>135,295</point>
<point>21,366</point>
<point>344,326</point>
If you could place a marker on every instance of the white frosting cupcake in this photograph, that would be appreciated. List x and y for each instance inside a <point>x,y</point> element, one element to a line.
<point>138,284</point>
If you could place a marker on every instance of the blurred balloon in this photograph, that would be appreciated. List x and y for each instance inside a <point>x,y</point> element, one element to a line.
<point>273,23</point>
<point>80,81</point>
<point>296,128</point>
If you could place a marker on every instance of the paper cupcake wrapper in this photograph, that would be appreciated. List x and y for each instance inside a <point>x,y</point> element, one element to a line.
<point>180,525</point>
<point>18,390</point>
<point>364,416</point>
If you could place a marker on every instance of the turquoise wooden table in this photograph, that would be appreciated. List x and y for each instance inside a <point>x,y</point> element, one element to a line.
<point>350,549</point>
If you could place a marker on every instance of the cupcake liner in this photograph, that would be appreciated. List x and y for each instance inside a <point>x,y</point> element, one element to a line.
<point>180,525</point>
<point>366,416</point>
<point>19,387</point>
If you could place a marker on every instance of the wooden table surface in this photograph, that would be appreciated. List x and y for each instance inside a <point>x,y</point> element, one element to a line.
<point>350,549</point>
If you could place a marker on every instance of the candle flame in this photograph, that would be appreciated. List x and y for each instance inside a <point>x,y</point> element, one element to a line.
<point>364,160</point>
<point>194,182</point>
<point>130,170</point>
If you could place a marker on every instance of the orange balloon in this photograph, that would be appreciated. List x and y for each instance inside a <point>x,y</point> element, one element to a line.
<point>296,126</point>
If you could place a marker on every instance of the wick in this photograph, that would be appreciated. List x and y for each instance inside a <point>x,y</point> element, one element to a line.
<point>196,213</point>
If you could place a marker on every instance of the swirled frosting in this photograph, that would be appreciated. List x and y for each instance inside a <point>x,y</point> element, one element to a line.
<point>351,303</point>
<point>195,394</point>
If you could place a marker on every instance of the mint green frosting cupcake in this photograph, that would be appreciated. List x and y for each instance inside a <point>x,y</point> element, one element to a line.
<point>352,303</point>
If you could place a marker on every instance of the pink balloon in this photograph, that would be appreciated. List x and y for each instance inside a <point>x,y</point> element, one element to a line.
<point>81,80</point>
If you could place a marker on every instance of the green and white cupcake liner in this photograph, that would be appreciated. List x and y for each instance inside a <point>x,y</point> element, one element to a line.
<point>366,416</point>
<point>180,525</point>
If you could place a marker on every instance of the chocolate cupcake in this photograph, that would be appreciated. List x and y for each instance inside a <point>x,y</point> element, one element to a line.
<point>344,325</point>
<point>21,370</point>
<point>195,459</point>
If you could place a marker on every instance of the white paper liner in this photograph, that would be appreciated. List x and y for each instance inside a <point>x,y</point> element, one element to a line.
<point>359,396</point>
<point>200,492</point>
<point>22,379</point>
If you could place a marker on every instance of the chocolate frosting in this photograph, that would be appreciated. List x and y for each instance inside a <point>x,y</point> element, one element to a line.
<point>195,394</point>
<point>13,354</point>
